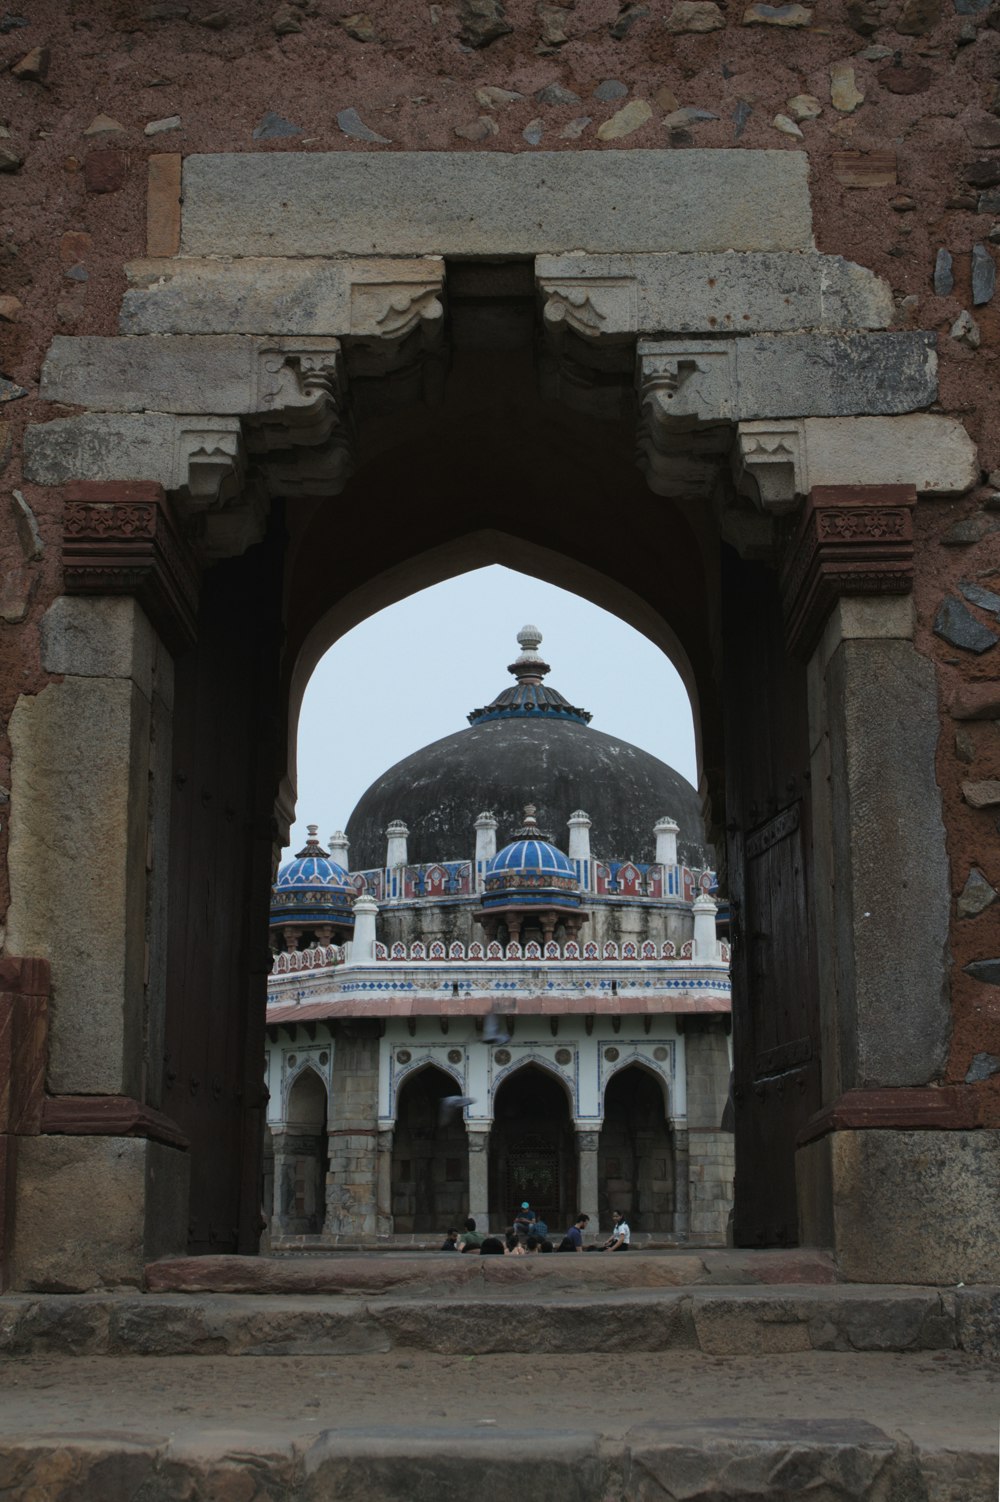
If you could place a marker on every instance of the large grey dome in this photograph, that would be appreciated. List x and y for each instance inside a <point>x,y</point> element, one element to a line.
<point>528,746</point>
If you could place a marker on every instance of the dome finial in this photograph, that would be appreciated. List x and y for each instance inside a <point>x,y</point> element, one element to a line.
<point>529,667</point>
<point>312,845</point>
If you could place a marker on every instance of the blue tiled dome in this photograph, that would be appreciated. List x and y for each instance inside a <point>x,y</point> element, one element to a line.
<point>531,857</point>
<point>530,872</point>
<point>312,888</point>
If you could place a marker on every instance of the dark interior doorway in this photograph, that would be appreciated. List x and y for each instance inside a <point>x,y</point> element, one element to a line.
<point>635,1156</point>
<point>532,1149</point>
<point>304,1158</point>
<point>430,1158</point>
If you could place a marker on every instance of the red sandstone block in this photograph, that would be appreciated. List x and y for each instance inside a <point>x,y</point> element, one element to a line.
<point>23,1036</point>
<point>163,205</point>
<point>865,169</point>
<point>112,492</point>
<point>104,170</point>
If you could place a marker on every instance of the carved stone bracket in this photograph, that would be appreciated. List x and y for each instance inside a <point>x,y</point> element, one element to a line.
<point>299,389</point>
<point>852,540</point>
<point>684,383</point>
<point>771,463</point>
<point>597,308</point>
<point>121,538</point>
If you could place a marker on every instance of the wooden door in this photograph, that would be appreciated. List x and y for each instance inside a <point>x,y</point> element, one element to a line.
<point>775,995</point>
<point>225,780</point>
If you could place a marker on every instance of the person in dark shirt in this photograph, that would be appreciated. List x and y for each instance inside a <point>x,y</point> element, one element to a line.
<point>573,1240</point>
<point>450,1243</point>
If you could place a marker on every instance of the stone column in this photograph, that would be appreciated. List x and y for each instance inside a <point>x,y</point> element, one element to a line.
<point>283,1186</point>
<point>882,913</point>
<point>710,1150</point>
<point>479,1196</point>
<point>682,1183</point>
<point>89,836</point>
<point>587,1140</point>
<point>383,1199</point>
<point>352,1182</point>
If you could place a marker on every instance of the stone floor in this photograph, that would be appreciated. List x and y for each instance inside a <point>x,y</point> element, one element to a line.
<point>424,1376</point>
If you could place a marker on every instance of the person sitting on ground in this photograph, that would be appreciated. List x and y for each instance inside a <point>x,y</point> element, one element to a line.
<point>524,1219</point>
<point>513,1247</point>
<point>620,1237</point>
<point>532,1245</point>
<point>546,1246</point>
<point>450,1243</point>
<point>470,1239</point>
<point>492,1247</point>
<point>573,1240</point>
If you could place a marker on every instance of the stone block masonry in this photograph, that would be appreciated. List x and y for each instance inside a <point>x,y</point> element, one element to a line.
<point>429,203</point>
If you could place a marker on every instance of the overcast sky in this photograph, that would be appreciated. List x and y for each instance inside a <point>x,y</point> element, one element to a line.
<point>411,673</point>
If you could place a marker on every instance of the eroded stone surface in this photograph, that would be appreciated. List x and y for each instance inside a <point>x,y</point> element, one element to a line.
<point>728,293</point>
<point>430,203</point>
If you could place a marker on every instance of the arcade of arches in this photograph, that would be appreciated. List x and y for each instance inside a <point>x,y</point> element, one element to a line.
<point>477,394</point>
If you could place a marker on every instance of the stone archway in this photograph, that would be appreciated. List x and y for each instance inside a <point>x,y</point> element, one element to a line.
<point>301,1160</point>
<point>770,539</point>
<point>636,1164</point>
<point>430,1157</point>
<point>532,1149</point>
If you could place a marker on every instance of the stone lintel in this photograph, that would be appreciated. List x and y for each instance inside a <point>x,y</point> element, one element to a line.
<point>608,296</point>
<point>784,459</point>
<point>852,539</point>
<point>109,1116</point>
<point>945,1108</point>
<point>356,297</point>
<point>493,203</point>
<point>686,382</point>
<point>121,538</point>
<point>221,374</point>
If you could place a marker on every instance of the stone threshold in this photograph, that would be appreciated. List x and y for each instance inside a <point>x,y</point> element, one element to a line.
<point>317,1268</point>
<point>722,1321</point>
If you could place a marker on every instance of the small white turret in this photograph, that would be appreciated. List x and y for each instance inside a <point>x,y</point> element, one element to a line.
<point>363,943</point>
<point>579,844</point>
<point>706,945</point>
<point>339,846</point>
<point>666,831</point>
<point>486,844</point>
<point>396,834</point>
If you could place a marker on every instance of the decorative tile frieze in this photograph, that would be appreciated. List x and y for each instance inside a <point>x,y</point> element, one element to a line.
<point>852,540</point>
<point>122,538</point>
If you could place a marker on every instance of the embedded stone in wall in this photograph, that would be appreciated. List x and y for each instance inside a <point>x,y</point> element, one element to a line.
<point>984,275</point>
<point>976,896</point>
<point>759,14</point>
<point>985,794</point>
<point>983,1067</point>
<point>440,203</point>
<point>695,16</point>
<point>986,971</point>
<point>944,275</point>
<point>955,624</point>
<point>864,169</point>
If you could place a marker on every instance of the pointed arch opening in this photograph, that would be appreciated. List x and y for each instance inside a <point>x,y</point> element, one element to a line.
<point>636,1160</point>
<point>532,1148</point>
<point>430,1158</point>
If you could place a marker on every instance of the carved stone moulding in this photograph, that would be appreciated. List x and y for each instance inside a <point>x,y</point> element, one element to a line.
<point>121,537</point>
<point>851,540</point>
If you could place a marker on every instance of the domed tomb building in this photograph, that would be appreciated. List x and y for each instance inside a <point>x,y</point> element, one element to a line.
<point>520,915</point>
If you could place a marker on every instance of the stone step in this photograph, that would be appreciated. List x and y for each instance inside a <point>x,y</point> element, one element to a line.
<point>419,1273</point>
<point>713,1321</point>
<point>627,1428</point>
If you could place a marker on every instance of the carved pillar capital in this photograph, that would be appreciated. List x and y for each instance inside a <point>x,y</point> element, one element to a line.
<point>121,537</point>
<point>852,540</point>
<point>299,385</point>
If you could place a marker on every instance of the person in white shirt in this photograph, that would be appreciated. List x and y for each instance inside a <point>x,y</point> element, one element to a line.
<point>620,1237</point>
